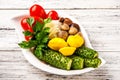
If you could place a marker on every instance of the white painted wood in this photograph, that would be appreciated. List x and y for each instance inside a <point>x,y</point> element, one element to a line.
<point>100,18</point>
<point>58,4</point>
<point>102,26</point>
<point>13,66</point>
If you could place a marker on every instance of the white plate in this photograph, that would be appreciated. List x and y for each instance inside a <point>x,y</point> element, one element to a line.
<point>45,67</point>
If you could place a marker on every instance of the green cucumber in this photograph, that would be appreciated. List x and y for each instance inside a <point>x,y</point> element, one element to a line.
<point>86,52</point>
<point>56,59</point>
<point>77,63</point>
<point>92,62</point>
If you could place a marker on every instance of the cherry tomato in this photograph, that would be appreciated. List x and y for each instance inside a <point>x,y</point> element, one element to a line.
<point>25,25</point>
<point>53,15</point>
<point>37,10</point>
<point>27,38</point>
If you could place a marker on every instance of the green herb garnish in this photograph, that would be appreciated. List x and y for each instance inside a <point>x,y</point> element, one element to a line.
<point>30,21</point>
<point>39,36</point>
<point>27,33</point>
<point>28,44</point>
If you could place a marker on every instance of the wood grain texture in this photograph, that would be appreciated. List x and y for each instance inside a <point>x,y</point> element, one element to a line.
<point>60,4</point>
<point>102,26</point>
<point>13,66</point>
<point>100,18</point>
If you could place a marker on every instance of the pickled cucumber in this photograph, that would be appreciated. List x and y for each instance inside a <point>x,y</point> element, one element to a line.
<point>86,52</point>
<point>92,62</point>
<point>86,58</point>
<point>56,59</point>
<point>77,63</point>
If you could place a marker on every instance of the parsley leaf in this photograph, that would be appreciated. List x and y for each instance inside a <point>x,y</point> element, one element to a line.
<point>48,20</point>
<point>46,29</point>
<point>27,33</point>
<point>38,27</point>
<point>30,21</point>
<point>39,51</point>
<point>29,44</point>
<point>45,39</point>
<point>39,36</point>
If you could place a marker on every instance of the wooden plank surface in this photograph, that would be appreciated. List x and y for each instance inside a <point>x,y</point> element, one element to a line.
<point>60,4</point>
<point>100,18</point>
<point>102,26</point>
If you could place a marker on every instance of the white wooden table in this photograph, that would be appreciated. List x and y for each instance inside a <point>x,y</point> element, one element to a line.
<point>100,18</point>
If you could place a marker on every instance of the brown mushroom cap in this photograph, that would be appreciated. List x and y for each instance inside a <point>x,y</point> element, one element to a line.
<point>76,26</point>
<point>73,30</point>
<point>64,27</point>
<point>67,21</point>
<point>62,34</point>
<point>61,19</point>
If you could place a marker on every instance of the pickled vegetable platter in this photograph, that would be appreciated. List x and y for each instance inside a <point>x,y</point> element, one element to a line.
<point>58,41</point>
